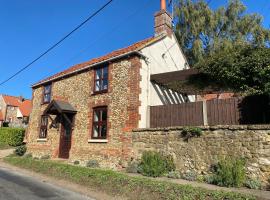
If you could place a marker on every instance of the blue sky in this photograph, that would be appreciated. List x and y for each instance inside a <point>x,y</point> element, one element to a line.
<point>29,27</point>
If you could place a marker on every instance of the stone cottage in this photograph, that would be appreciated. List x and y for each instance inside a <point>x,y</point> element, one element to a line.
<point>85,111</point>
<point>14,111</point>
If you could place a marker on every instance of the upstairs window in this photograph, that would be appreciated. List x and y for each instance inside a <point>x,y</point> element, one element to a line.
<point>101,80</point>
<point>99,123</point>
<point>43,126</point>
<point>47,93</point>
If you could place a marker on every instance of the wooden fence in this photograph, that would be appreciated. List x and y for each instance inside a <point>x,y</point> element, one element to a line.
<point>231,111</point>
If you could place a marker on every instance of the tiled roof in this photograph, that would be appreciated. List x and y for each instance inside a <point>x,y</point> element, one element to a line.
<point>1,116</point>
<point>132,48</point>
<point>11,100</point>
<point>26,108</point>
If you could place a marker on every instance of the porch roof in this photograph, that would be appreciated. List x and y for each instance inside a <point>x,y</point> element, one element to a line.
<point>187,81</point>
<point>57,106</point>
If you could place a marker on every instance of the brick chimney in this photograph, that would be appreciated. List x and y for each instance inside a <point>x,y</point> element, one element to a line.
<point>163,21</point>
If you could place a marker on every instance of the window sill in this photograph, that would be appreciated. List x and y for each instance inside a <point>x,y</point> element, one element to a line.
<point>98,141</point>
<point>42,139</point>
<point>99,92</point>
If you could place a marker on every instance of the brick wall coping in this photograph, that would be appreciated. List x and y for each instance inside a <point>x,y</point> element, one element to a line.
<point>205,128</point>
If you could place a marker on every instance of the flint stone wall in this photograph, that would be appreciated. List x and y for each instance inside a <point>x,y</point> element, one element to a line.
<point>199,153</point>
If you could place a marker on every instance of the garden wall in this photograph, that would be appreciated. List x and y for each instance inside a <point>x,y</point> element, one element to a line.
<point>216,142</point>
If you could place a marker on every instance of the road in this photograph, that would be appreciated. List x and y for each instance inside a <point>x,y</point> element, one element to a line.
<point>17,186</point>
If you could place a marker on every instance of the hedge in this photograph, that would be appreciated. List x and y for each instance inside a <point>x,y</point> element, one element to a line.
<point>11,136</point>
<point>120,184</point>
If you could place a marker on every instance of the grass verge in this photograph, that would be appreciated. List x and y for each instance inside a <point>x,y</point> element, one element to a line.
<point>116,183</point>
<point>4,146</point>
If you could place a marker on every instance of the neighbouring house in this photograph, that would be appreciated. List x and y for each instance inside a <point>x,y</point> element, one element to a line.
<point>85,111</point>
<point>14,111</point>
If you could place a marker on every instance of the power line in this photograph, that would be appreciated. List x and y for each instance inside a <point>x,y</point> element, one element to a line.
<point>105,35</point>
<point>57,43</point>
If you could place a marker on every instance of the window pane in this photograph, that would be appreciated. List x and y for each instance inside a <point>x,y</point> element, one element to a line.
<point>44,121</point>
<point>96,116</point>
<point>95,131</point>
<point>98,73</point>
<point>47,89</point>
<point>105,84</point>
<point>43,133</point>
<point>103,131</point>
<point>105,72</point>
<point>47,98</point>
<point>97,88</point>
<point>104,115</point>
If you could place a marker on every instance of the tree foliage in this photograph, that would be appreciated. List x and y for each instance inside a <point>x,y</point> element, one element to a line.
<point>202,31</point>
<point>242,69</point>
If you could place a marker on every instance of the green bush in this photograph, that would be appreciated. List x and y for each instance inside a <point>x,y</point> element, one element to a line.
<point>76,162</point>
<point>190,176</point>
<point>155,164</point>
<point>253,184</point>
<point>12,136</point>
<point>122,185</point>
<point>209,179</point>
<point>189,132</point>
<point>92,164</point>
<point>20,150</point>
<point>174,174</point>
<point>230,172</point>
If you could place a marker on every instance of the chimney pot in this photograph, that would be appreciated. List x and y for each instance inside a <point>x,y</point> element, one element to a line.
<point>163,4</point>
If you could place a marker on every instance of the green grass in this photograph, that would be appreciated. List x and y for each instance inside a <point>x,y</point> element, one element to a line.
<point>4,146</point>
<point>116,183</point>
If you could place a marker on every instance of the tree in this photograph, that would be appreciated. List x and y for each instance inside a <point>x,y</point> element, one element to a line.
<point>244,69</point>
<point>202,31</point>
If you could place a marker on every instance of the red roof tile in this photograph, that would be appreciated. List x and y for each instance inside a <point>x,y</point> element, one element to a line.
<point>26,108</point>
<point>11,100</point>
<point>132,48</point>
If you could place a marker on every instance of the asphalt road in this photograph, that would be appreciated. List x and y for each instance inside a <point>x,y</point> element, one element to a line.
<point>15,186</point>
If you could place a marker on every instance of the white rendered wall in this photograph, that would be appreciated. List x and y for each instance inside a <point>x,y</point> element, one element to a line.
<point>163,56</point>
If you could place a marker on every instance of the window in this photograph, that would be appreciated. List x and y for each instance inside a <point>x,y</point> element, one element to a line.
<point>99,123</point>
<point>101,80</point>
<point>47,93</point>
<point>43,127</point>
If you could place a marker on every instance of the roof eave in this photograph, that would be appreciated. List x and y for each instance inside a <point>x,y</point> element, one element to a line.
<point>136,51</point>
<point>88,66</point>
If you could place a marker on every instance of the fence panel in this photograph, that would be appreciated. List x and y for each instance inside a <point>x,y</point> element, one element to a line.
<point>223,111</point>
<point>186,114</point>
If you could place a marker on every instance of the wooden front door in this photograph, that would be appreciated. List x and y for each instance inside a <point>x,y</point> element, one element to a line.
<point>65,137</point>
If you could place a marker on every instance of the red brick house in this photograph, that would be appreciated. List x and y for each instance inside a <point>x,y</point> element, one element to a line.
<point>14,110</point>
<point>86,111</point>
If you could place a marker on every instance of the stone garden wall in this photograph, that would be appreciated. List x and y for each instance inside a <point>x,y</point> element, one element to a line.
<point>199,153</point>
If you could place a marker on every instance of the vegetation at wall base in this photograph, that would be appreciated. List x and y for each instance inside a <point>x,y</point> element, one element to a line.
<point>116,183</point>
<point>230,172</point>
<point>155,164</point>
<point>189,132</point>
<point>11,136</point>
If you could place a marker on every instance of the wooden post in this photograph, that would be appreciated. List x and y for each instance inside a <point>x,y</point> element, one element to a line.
<point>205,120</point>
<point>148,117</point>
